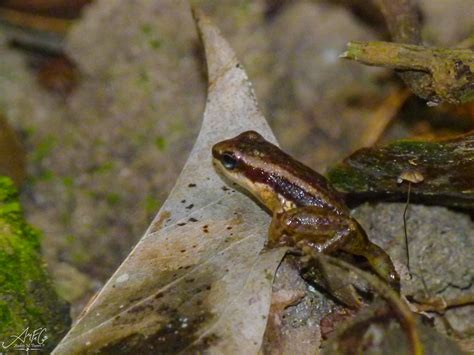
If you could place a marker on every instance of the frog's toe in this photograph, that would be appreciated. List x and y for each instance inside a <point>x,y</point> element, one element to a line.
<point>384,267</point>
<point>394,280</point>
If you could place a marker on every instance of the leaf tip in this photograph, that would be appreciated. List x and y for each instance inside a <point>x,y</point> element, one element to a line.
<point>220,56</point>
<point>199,17</point>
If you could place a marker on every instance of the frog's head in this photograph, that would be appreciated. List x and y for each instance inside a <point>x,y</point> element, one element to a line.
<point>246,160</point>
<point>272,176</point>
<point>238,153</point>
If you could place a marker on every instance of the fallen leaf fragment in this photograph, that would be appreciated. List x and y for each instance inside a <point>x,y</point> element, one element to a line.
<point>281,299</point>
<point>197,281</point>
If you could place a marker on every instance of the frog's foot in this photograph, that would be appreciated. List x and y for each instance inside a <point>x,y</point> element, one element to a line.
<point>337,284</point>
<point>382,264</point>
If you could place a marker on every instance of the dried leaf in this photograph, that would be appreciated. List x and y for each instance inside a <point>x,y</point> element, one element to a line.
<point>196,281</point>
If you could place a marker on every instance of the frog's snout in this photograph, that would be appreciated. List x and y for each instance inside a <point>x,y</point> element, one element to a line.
<point>215,151</point>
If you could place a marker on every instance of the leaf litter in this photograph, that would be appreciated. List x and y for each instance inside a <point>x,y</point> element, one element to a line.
<point>196,280</point>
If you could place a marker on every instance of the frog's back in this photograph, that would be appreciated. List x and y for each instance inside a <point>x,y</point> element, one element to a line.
<point>302,185</point>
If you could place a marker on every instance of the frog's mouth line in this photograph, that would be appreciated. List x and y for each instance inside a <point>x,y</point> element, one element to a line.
<point>234,178</point>
<point>243,185</point>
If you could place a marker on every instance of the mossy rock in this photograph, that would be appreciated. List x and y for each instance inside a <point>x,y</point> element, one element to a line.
<point>27,298</point>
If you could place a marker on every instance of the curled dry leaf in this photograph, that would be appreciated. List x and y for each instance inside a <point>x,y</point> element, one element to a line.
<point>197,279</point>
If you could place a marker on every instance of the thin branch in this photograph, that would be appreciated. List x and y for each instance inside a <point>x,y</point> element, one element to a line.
<point>450,70</point>
<point>452,81</point>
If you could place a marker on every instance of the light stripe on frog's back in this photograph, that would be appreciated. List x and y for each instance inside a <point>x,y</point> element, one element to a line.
<point>291,179</point>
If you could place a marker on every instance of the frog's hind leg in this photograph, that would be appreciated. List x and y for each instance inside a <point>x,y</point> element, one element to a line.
<point>310,226</point>
<point>310,230</point>
<point>326,231</point>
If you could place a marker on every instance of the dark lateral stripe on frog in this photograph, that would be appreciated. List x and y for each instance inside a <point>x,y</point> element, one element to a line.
<point>291,176</point>
<point>290,191</point>
<point>292,179</point>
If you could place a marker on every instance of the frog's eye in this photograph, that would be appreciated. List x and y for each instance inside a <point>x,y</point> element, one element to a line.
<point>229,161</point>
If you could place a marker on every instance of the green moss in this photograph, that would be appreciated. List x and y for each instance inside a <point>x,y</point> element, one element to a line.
<point>27,298</point>
<point>70,239</point>
<point>467,96</point>
<point>150,37</point>
<point>68,181</point>
<point>147,29</point>
<point>152,204</point>
<point>346,179</point>
<point>79,256</point>
<point>144,78</point>
<point>160,143</point>
<point>426,150</point>
<point>104,168</point>
<point>245,6</point>
<point>44,149</point>
<point>5,315</point>
<point>155,43</point>
<point>113,198</point>
<point>46,175</point>
<point>8,193</point>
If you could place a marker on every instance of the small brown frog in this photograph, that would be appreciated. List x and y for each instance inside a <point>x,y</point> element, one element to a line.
<point>308,213</point>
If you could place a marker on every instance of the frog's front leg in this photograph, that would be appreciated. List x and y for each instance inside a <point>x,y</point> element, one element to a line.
<point>326,231</point>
